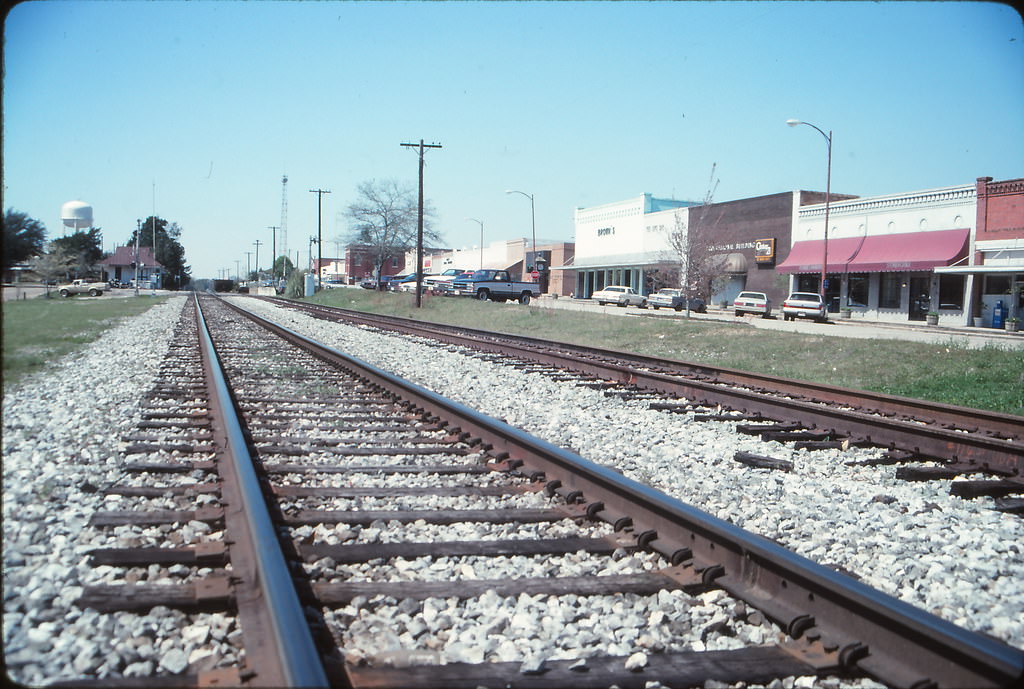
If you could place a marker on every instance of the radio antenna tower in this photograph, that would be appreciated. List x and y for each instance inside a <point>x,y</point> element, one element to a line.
<point>284,215</point>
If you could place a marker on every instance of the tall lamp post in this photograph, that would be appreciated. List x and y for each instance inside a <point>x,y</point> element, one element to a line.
<point>533,221</point>
<point>828,197</point>
<point>481,223</point>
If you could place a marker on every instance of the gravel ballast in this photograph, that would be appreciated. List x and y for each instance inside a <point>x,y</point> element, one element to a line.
<point>955,558</point>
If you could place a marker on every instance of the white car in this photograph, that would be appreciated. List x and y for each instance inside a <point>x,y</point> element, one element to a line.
<point>752,302</point>
<point>804,305</point>
<point>620,295</point>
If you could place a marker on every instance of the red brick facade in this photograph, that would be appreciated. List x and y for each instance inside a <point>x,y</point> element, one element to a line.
<point>1000,209</point>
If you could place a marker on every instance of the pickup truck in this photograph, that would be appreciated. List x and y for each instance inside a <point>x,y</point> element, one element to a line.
<point>496,285</point>
<point>93,289</point>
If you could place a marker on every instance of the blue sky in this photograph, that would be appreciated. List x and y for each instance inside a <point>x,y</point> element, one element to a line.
<point>578,103</point>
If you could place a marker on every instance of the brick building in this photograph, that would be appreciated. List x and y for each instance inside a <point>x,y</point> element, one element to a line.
<point>994,268</point>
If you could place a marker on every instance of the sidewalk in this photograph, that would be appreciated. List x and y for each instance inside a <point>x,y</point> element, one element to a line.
<point>973,338</point>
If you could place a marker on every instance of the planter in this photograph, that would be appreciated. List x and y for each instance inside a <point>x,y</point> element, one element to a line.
<point>932,319</point>
<point>979,322</point>
<point>845,314</point>
<point>1012,326</point>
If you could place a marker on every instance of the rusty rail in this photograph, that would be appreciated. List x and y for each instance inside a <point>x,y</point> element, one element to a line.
<point>840,623</point>
<point>279,644</point>
<point>987,441</point>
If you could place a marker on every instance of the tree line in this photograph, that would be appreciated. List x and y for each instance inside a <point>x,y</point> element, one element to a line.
<point>78,255</point>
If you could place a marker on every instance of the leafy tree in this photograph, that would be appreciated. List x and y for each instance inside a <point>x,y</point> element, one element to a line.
<point>283,266</point>
<point>84,247</point>
<point>23,237</point>
<point>295,287</point>
<point>169,251</point>
<point>384,219</point>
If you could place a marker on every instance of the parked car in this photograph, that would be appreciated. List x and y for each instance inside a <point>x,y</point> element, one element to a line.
<point>390,282</point>
<point>672,298</point>
<point>331,284</point>
<point>494,285</point>
<point>804,305</point>
<point>386,281</point>
<point>408,283</point>
<point>432,282</point>
<point>752,302</point>
<point>620,295</point>
<point>93,289</point>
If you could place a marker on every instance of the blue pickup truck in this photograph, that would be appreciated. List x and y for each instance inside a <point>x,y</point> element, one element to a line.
<point>496,285</point>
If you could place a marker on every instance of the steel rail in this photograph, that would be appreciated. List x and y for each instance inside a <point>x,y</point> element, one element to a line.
<point>835,409</point>
<point>279,644</point>
<point>856,627</point>
<point>937,412</point>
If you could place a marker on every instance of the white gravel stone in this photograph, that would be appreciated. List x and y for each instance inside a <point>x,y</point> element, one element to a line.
<point>955,558</point>
<point>907,539</point>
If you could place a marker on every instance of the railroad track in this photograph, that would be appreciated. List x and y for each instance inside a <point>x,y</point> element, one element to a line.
<point>961,440</point>
<point>330,524</point>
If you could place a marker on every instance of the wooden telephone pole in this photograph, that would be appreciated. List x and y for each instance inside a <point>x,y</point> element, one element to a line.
<point>419,223</point>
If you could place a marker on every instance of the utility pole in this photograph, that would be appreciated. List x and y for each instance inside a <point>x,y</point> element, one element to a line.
<point>419,223</point>
<point>138,231</point>
<point>236,269</point>
<point>257,243</point>
<point>273,256</point>
<point>319,229</point>
<point>248,269</point>
<point>284,218</point>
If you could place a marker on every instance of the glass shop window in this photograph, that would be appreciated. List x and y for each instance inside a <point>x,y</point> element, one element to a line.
<point>951,292</point>
<point>997,284</point>
<point>857,290</point>
<point>889,291</point>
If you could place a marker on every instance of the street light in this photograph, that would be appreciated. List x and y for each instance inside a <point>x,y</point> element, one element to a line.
<point>828,197</point>
<point>533,220</point>
<point>481,222</point>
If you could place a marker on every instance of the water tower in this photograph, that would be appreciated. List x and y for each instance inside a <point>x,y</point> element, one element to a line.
<point>76,215</point>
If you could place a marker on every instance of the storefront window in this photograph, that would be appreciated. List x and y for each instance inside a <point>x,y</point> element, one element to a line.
<point>889,291</point>
<point>951,292</point>
<point>997,284</point>
<point>857,290</point>
<point>808,283</point>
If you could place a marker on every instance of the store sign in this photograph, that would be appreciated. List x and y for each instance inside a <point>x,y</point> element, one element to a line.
<point>764,251</point>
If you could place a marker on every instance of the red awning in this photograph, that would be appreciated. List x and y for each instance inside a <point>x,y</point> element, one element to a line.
<point>909,251</point>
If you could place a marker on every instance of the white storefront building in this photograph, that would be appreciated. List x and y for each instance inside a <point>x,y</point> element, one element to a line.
<point>616,242</point>
<point>883,252</point>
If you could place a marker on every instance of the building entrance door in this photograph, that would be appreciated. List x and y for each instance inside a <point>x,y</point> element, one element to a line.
<point>920,298</point>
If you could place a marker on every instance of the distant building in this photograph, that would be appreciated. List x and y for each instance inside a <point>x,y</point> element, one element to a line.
<point>123,266</point>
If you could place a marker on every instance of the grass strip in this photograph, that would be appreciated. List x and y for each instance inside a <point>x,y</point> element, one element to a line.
<point>39,331</point>
<point>987,378</point>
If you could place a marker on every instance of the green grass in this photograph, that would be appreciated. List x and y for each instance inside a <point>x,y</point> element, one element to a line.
<point>36,332</point>
<point>989,378</point>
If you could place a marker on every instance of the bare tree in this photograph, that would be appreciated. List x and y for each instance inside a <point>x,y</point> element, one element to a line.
<point>54,265</point>
<point>384,218</point>
<point>691,261</point>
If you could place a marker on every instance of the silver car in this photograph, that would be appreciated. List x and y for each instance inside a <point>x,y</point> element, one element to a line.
<point>620,295</point>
